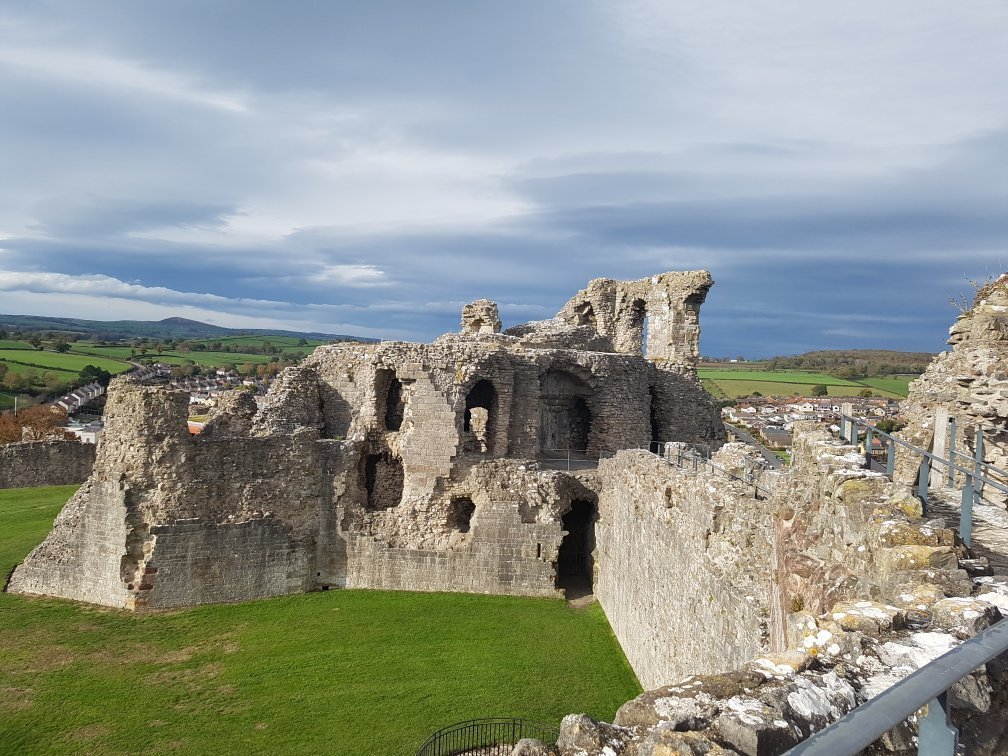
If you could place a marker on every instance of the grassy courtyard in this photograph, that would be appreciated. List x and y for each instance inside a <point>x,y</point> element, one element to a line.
<point>348,672</point>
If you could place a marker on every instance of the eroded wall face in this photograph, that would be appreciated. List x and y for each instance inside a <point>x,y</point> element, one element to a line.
<point>204,563</point>
<point>683,568</point>
<point>45,463</point>
<point>81,558</point>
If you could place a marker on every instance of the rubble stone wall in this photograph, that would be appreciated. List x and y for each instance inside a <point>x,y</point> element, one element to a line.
<point>28,464</point>
<point>969,383</point>
<point>863,592</point>
<point>684,567</point>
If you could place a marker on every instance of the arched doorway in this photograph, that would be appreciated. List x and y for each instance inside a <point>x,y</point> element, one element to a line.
<point>575,563</point>
<point>565,417</point>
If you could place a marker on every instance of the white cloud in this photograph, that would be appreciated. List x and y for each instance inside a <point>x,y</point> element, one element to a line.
<point>90,69</point>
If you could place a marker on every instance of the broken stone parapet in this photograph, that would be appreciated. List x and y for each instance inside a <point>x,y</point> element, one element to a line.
<point>481,316</point>
<point>968,383</point>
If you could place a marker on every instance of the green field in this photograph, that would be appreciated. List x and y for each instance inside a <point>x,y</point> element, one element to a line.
<point>115,352</point>
<point>15,345</point>
<point>348,672</point>
<point>286,343</point>
<point>775,376</point>
<point>55,361</point>
<point>728,383</point>
<point>896,384</point>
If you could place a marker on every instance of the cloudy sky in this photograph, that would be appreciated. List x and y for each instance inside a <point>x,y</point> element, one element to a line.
<point>369,167</point>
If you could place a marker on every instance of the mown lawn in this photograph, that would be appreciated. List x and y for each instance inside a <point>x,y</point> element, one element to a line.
<point>347,672</point>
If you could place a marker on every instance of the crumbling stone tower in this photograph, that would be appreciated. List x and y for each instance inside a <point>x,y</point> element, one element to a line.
<point>393,465</point>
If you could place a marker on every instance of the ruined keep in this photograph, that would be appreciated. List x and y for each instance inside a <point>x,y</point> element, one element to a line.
<point>393,465</point>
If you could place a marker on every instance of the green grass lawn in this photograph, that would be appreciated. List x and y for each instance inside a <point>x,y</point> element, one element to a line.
<point>56,361</point>
<point>347,672</point>
<point>6,344</point>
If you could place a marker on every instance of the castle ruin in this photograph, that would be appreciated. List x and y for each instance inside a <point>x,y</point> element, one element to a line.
<point>393,465</point>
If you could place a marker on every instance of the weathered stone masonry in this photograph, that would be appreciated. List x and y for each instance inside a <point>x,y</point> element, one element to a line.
<point>409,466</point>
<point>45,463</point>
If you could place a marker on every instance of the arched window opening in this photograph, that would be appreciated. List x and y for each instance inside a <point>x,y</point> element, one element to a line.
<point>480,417</point>
<point>391,402</point>
<point>655,420</point>
<point>639,324</point>
<point>383,481</point>
<point>565,419</point>
<point>460,513</point>
<point>575,562</point>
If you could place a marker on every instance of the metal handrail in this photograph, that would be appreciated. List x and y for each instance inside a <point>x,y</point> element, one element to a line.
<point>929,455</point>
<point>572,461</point>
<point>929,686</point>
<point>975,477</point>
<point>698,460</point>
<point>486,732</point>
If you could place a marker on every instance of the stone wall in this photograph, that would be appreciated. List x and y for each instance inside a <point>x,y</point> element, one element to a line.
<point>45,463</point>
<point>862,592</point>
<point>684,567</point>
<point>969,383</point>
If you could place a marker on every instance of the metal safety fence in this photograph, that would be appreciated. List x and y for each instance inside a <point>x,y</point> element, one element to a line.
<point>687,457</point>
<point>485,737</point>
<point>972,471</point>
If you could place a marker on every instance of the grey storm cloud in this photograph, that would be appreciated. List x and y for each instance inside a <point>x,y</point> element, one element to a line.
<point>335,167</point>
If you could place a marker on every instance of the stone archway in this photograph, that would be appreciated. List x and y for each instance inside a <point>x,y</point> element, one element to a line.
<point>575,570</point>
<point>479,422</point>
<point>565,415</point>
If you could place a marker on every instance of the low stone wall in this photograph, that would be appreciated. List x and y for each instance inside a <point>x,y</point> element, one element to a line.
<point>683,566</point>
<point>201,563</point>
<point>45,463</point>
<point>501,555</point>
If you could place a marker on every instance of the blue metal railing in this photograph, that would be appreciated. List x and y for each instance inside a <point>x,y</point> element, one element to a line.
<point>928,686</point>
<point>975,471</point>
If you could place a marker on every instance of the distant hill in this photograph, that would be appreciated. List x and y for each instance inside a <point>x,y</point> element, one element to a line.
<point>855,362</point>
<point>169,328</point>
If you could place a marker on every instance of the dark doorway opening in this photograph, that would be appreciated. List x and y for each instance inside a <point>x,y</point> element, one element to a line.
<point>655,422</point>
<point>480,417</point>
<point>575,563</point>
<point>391,402</point>
<point>460,512</point>
<point>565,418</point>
<point>580,424</point>
<point>383,480</point>
<point>639,324</point>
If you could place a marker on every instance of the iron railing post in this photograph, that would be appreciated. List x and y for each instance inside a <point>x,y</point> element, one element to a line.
<point>937,736</point>
<point>978,466</point>
<point>868,446</point>
<point>966,512</point>
<point>890,464</point>
<point>924,480</point>
<point>951,452</point>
